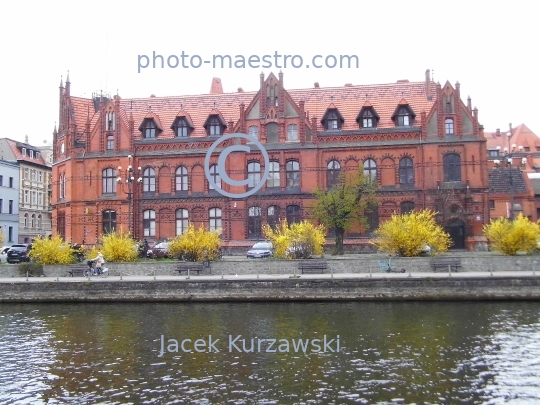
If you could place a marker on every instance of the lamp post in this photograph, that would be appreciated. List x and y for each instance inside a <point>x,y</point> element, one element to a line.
<point>508,168</point>
<point>129,179</point>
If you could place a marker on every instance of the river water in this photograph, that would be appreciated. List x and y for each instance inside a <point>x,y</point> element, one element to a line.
<point>389,352</point>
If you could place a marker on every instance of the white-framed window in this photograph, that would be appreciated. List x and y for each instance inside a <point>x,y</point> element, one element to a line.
<point>214,216</point>
<point>24,152</point>
<point>182,179</point>
<point>149,223</point>
<point>254,174</point>
<point>31,154</point>
<point>292,132</point>
<point>182,221</point>
<point>273,175</point>
<point>40,176</point>
<point>26,196</point>
<point>254,131</point>
<point>40,199</point>
<point>34,197</point>
<point>33,174</point>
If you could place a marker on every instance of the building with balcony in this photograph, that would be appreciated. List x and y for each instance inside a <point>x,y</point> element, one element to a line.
<point>34,208</point>
<point>421,144</point>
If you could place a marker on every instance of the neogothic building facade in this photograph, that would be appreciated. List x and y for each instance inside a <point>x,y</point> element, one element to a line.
<point>418,140</point>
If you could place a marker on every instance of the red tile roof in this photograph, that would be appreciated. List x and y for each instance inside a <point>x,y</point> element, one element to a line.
<point>384,98</point>
<point>521,135</point>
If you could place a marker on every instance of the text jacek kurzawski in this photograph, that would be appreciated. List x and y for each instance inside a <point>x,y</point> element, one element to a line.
<point>238,344</point>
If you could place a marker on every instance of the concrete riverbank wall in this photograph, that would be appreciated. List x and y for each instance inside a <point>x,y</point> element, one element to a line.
<point>284,289</point>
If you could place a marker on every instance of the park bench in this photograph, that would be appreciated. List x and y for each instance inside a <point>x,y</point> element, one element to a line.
<point>77,270</point>
<point>184,267</point>
<point>312,266</point>
<point>444,262</point>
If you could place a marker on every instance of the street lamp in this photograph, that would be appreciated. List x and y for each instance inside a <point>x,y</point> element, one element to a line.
<point>508,161</point>
<point>128,181</point>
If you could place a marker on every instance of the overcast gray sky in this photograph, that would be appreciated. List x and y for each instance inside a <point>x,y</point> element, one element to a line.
<point>489,47</point>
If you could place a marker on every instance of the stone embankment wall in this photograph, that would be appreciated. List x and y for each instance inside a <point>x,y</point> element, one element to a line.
<point>345,264</point>
<point>290,289</point>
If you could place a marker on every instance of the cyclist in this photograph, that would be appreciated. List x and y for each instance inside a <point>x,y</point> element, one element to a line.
<point>99,261</point>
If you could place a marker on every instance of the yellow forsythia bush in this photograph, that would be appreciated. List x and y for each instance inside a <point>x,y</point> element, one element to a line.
<point>299,240</point>
<point>118,247</point>
<point>195,244</point>
<point>510,237</point>
<point>407,234</point>
<point>51,251</point>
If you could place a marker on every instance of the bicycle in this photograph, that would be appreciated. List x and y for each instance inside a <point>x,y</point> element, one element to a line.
<point>95,271</point>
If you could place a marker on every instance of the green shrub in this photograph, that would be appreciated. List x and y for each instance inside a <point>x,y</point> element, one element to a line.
<point>32,269</point>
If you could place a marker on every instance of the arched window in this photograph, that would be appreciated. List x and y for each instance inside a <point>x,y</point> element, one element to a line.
<point>273,175</point>
<point>332,173</point>
<point>149,223</point>
<point>181,179</point>
<point>370,169</point>
<point>332,120</point>
<point>293,214</point>
<point>293,174</point>
<point>150,129</point>
<point>273,216</point>
<point>214,126</point>
<point>452,167</point>
<point>110,121</point>
<point>109,221</point>
<point>272,133</point>
<point>182,128</point>
<point>110,142</point>
<point>292,132</point>
<point>26,220</point>
<point>254,131</point>
<point>214,216</point>
<point>39,221</point>
<point>449,126</point>
<point>214,174</point>
<point>149,180</point>
<point>254,174</point>
<point>406,171</point>
<point>403,117</point>
<point>109,181</point>
<point>368,120</point>
<point>254,222</point>
<point>33,221</point>
<point>406,207</point>
<point>181,221</point>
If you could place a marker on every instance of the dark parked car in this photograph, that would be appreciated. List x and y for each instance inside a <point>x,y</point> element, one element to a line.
<point>19,253</point>
<point>259,250</point>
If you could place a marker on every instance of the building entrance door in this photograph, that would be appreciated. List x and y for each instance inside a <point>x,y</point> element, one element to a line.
<point>456,230</point>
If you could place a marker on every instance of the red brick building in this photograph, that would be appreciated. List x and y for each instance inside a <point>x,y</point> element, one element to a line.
<point>421,143</point>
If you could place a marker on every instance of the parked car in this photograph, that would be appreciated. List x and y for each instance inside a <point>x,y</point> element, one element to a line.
<point>19,253</point>
<point>161,250</point>
<point>3,254</point>
<point>260,249</point>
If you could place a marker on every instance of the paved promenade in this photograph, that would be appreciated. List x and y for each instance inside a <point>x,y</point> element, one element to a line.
<point>273,277</point>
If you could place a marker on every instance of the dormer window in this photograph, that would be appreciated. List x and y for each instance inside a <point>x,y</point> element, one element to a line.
<point>332,120</point>
<point>24,152</point>
<point>31,154</point>
<point>149,130</point>
<point>367,117</point>
<point>215,125</point>
<point>403,116</point>
<point>182,128</point>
